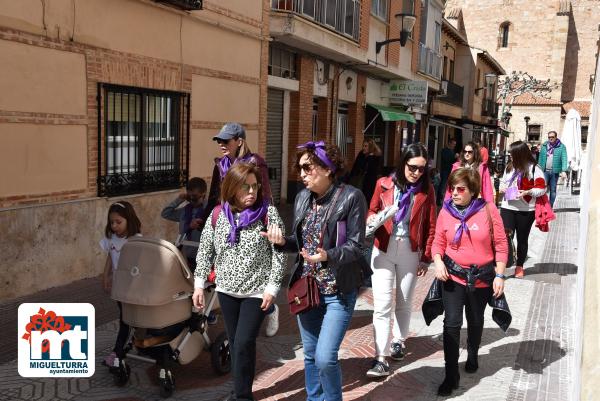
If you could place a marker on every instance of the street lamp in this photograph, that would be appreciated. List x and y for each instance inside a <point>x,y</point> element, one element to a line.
<point>406,22</point>
<point>490,80</point>
<point>526,118</point>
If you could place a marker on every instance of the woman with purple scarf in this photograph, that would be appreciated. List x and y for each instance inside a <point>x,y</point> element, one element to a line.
<point>250,269</point>
<point>232,143</point>
<point>401,253</point>
<point>470,252</point>
<point>328,240</point>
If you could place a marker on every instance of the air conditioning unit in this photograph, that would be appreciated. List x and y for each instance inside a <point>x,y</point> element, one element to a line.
<point>443,89</point>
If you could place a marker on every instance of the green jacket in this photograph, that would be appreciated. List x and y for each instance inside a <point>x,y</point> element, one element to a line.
<point>559,161</point>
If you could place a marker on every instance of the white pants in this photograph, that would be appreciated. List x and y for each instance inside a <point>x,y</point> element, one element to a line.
<point>398,266</point>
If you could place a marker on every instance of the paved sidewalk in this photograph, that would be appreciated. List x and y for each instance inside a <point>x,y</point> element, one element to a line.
<point>532,361</point>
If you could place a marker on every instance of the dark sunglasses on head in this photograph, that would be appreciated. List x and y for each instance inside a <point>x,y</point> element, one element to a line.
<point>307,167</point>
<point>413,169</point>
<point>460,190</point>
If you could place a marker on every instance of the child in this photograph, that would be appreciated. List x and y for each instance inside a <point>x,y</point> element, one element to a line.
<point>122,223</point>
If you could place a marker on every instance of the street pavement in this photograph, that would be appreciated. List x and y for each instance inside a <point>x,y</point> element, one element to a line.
<point>533,360</point>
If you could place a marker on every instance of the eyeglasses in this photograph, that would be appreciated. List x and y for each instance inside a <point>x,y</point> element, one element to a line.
<point>467,152</point>
<point>307,168</point>
<point>223,141</point>
<point>460,190</point>
<point>413,169</point>
<point>246,187</point>
<point>551,137</point>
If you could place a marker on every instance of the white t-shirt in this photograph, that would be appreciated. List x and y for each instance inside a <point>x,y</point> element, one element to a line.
<point>113,247</point>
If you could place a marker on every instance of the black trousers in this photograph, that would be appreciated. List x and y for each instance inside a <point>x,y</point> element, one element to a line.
<point>243,318</point>
<point>519,223</point>
<point>454,298</point>
<point>122,335</point>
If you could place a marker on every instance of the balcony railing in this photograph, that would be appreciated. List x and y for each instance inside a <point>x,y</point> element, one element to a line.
<point>341,16</point>
<point>454,93</point>
<point>489,108</point>
<point>430,62</point>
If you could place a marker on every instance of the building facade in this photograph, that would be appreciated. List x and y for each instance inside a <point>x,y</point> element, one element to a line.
<point>550,40</point>
<point>110,100</point>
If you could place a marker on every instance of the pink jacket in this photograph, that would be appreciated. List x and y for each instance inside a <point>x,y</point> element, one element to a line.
<point>487,193</point>
<point>543,213</point>
<point>476,246</point>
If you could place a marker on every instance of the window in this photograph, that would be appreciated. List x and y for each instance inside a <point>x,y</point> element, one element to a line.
<point>282,63</point>
<point>342,127</point>
<point>533,132</point>
<point>451,72</point>
<point>584,136</point>
<point>504,30</point>
<point>445,69</point>
<point>437,37</point>
<point>379,8</point>
<point>143,140</point>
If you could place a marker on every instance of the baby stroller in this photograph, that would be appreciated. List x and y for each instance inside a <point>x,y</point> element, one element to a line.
<point>155,286</point>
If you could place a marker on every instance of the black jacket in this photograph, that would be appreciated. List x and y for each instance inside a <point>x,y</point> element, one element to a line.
<point>347,261</point>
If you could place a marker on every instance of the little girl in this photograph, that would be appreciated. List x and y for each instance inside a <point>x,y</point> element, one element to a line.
<point>122,223</point>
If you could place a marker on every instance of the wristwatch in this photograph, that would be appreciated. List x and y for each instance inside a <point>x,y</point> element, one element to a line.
<point>500,275</point>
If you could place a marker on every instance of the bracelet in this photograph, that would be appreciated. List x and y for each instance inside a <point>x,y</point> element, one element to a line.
<point>500,275</point>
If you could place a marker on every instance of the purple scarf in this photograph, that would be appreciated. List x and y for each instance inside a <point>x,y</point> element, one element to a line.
<point>247,217</point>
<point>475,206</point>
<point>320,151</point>
<point>550,146</point>
<point>404,202</point>
<point>225,163</point>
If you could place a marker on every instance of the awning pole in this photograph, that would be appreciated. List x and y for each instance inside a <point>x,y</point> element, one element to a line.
<point>371,123</point>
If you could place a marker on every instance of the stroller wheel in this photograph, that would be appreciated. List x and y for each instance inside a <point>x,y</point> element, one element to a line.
<point>220,357</point>
<point>121,374</point>
<point>166,383</point>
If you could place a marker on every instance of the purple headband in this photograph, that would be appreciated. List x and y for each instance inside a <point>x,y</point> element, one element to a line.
<point>319,149</point>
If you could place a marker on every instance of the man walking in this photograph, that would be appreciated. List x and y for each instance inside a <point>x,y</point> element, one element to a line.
<point>553,160</point>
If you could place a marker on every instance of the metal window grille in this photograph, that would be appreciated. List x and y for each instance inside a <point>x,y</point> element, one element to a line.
<point>143,140</point>
<point>342,16</point>
<point>342,127</point>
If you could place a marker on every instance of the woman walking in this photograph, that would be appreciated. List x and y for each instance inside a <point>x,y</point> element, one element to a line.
<point>366,167</point>
<point>250,270</point>
<point>328,234</point>
<point>521,185</point>
<point>401,253</point>
<point>470,157</point>
<point>470,252</point>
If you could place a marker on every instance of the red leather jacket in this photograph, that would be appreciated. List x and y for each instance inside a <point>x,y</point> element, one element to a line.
<point>422,218</point>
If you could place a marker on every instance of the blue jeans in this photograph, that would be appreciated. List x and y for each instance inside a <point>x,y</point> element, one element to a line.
<point>551,180</point>
<point>322,330</point>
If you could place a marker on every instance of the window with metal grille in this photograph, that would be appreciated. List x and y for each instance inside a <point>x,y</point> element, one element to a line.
<point>534,132</point>
<point>143,140</point>
<point>282,63</point>
<point>342,127</point>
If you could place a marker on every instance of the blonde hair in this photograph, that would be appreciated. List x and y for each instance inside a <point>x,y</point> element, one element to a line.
<point>373,148</point>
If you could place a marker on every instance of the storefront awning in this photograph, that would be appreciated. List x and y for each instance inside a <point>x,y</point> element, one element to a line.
<point>389,113</point>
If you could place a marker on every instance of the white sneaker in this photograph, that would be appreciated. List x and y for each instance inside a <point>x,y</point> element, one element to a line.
<point>272,321</point>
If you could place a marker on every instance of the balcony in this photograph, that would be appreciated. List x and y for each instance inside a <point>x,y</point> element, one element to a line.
<point>188,5</point>
<point>340,16</point>
<point>454,93</point>
<point>430,62</point>
<point>489,108</point>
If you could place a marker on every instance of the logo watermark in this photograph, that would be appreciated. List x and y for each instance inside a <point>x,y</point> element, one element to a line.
<point>56,340</point>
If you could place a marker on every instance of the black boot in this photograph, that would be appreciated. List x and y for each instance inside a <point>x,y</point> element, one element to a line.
<point>451,340</point>
<point>473,341</point>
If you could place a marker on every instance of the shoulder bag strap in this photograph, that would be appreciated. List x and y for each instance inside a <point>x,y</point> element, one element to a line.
<point>491,226</point>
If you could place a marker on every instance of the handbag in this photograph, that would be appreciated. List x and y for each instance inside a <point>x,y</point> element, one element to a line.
<point>304,294</point>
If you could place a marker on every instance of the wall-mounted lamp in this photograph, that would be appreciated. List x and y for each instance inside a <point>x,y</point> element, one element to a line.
<point>349,83</point>
<point>406,22</point>
<point>490,80</point>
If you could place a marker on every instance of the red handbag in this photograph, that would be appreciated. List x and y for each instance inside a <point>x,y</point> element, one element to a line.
<point>304,294</point>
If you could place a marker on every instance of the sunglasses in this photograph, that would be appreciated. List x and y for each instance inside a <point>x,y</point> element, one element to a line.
<point>307,168</point>
<point>223,141</point>
<point>246,187</point>
<point>551,137</point>
<point>467,152</point>
<point>460,190</point>
<point>413,169</point>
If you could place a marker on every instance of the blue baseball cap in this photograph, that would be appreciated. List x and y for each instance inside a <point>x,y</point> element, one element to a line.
<point>231,131</point>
